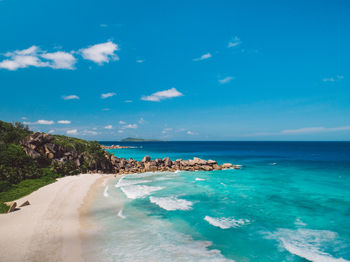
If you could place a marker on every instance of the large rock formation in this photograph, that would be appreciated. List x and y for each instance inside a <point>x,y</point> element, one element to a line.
<point>41,146</point>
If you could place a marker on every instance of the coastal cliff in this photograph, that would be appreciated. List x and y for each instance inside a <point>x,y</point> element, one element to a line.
<point>47,148</point>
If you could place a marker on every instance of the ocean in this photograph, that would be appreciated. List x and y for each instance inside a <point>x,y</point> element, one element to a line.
<point>289,202</point>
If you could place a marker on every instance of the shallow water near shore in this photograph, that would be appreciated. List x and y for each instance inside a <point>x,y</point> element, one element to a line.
<point>290,202</point>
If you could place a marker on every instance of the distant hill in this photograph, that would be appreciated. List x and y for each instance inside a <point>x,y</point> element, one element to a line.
<point>132,139</point>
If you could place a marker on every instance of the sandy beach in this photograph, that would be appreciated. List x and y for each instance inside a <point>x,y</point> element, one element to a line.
<point>49,228</point>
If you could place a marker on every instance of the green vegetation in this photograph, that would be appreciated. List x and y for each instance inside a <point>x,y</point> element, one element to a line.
<point>10,192</point>
<point>132,139</point>
<point>20,174</point>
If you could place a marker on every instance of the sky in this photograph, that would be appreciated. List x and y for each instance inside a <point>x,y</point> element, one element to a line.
<point>177,70</point>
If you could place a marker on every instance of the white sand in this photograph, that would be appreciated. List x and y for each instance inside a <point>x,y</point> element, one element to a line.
<point>48,229</point>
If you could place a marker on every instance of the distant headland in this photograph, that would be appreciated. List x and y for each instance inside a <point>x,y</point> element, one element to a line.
<point>132,139</point>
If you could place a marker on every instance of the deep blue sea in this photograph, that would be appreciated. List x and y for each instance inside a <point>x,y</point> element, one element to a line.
<point>289,202</point>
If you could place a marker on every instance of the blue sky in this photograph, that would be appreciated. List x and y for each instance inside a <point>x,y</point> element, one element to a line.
<point>177,70</point>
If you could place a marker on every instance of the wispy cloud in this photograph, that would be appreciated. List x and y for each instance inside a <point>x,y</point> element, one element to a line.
<point>160,95</point>
<point>131,126</point>
<point>70,97</point>
<point>72,132</point>
<point>226,80</point>
<point>306,130</point>
<point>128,101</point>
<point>108,127</point>
<point>203,57</point>
<point>140,61</point>
<point>120,131</point>
<point>333,78</point>
<point>234,42</point>
<point>45,122</point>
<point>190,133</point>
<point>122,122</point>
<point>66,122</point>
<point>106,109</point>
<point>166,130</point>
<point>101,53</point>
<point>141,121</point>
<point>104,96</point>
<point>303,130</point>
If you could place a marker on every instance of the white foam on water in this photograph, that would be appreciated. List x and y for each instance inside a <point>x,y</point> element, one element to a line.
<point>171,203</point>
<point>123,182</point>
<point>226,222</point>
<point>200,179</point>
<point>308,244</point>
<point>120,214</point>
<point>105,192</point>
<point>139,191</point>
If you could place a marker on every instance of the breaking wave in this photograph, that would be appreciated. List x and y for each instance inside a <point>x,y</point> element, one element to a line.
<point>171,203</point>
<point>226,222</point>
<point>139,191</point>
<point>308,244</point>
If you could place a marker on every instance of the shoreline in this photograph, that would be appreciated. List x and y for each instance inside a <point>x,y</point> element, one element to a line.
<point>51,227</point>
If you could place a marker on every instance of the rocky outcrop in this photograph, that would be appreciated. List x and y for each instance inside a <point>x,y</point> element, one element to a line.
<point>124,166</point>
<point>41,146</point>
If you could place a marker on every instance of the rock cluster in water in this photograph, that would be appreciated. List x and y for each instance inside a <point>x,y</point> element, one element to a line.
<point>125,166</point>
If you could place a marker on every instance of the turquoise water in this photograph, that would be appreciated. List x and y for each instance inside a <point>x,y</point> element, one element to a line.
<point>290,202</point>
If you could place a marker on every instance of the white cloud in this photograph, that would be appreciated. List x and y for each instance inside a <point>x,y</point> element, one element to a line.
<point>234,42</point>
<point>104,96</point>
<point>101,53</point>
<point>70,97</point>
<point>108,127</point>
<point>60,60</point>
<point>106,109</point>
<point>45,122</point>
<point>65,122</point>
<point>226,80</point>
<point>141,120</point>
<point>132,126</point>
<point>140,61</point>
<point>160,95</point>
<point>128,101</point>
<point>22,59</point>
<point>35,57</point>
<point>51,131</point>
<point>120,131</point>
<point>203,57</point>
<point>122,122</point>
<point>72,132</point>
<point>24,118</point>
<point>190,133</point>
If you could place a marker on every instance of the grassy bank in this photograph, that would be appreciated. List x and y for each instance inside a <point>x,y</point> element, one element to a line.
<point>12,192</point>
